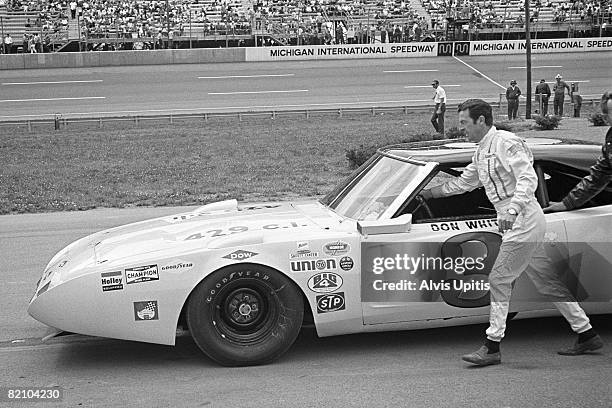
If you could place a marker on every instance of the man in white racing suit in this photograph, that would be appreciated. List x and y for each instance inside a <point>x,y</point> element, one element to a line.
<point>503,165</point>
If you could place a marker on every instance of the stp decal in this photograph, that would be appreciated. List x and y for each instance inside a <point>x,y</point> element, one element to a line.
<point>330,303</point>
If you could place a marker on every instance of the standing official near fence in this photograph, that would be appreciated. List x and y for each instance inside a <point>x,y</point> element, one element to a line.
<point>542,96</point>
<point>559,90</point>
<point>439,98</point>
<point>512,96</point>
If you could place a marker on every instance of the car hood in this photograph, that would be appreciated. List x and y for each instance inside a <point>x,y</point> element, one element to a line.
<point>219,225</point>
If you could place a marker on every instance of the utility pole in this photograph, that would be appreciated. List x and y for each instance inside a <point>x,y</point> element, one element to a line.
<point>168,21</point>
<point>528,55</point>
<point>2,25</point>
<point>79,31</point>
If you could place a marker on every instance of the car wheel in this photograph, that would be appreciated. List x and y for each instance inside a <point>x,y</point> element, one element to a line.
<point>245,314</point>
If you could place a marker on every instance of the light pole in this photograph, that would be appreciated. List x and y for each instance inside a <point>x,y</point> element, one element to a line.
<point>528,56</point>
<point>2,25</point>
<point>79,30</point>
<point>168,18</point>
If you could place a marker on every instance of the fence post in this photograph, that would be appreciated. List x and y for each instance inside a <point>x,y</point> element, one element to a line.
<point>30,126</point>
<point>171,122</point>
<point>136,119</point>
<point>273,115</point>
<point>373,111</point>
<point>240,117</point>
<point>340,112</point>
<point>100,123</point>
<point>206,117</point>
<point>307,114</point>
<point>405,110</point>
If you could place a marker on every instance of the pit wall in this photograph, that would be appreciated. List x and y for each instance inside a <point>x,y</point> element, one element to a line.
<point>294,53</point>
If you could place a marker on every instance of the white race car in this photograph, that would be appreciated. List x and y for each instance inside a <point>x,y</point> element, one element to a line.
<point>370,256</point>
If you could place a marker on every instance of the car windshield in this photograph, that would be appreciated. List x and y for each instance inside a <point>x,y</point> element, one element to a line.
<point>370,190</point>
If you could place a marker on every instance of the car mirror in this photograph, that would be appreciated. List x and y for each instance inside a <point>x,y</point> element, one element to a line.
<point>392,226</point>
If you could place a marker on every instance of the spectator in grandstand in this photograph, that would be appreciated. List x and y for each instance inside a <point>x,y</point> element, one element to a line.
<point>559,90</point>
<point>600,175</point>
<point>512,96</point>
<point>439,98</point>
<point>73,9</point>
<point>542,96</point>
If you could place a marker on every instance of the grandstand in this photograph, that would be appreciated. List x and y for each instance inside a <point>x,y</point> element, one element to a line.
<point>49,25</point>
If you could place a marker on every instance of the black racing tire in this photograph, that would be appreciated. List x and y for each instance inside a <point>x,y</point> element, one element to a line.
<point>245,314</point>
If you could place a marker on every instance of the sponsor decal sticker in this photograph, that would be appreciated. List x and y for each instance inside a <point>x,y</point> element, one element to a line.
<point>346,263</point>
<point>141,274</point>
<point>325,282</point>
<point>240,255</point>
<point>111,281</point>
<point>146,310</point>
<point>303,251</point>
<point>332,302</point>
<point>177,267</point>
<point>336,248</point>
<point>61,265</point>
<point>313,265</point>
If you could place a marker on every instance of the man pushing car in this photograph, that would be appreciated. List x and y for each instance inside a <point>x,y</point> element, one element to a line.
<point>503,165</point>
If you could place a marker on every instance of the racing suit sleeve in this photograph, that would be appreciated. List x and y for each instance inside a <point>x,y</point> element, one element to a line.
<point>598,178</point>
<point>519,159</point>
<point>468,181</point>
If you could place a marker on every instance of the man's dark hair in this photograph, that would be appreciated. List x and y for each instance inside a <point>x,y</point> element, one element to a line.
<point>604,102</point>
<point>478,108</point>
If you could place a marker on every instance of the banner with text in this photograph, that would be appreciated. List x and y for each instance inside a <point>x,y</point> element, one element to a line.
<point>351,51</point>
<point>541,46</point>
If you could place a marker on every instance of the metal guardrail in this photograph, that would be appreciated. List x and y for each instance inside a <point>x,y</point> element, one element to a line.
<point>59,121</point>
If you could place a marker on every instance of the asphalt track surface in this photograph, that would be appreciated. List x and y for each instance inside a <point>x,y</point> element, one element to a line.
<point>400,369</point>
<point>142,90</point>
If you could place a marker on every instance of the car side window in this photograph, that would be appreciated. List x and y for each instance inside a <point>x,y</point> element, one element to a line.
<point>463,206</point>
<point>560,179</point>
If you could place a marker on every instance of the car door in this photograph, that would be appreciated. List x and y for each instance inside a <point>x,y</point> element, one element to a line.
<point>422,288</point>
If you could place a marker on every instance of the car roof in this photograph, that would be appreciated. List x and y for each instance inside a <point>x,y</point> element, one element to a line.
<point>453,152</point>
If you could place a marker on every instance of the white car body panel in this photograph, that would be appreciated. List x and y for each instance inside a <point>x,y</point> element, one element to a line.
<point>188,247</point>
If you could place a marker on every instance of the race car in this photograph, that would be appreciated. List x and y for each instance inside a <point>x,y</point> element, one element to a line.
<point>370,256</point>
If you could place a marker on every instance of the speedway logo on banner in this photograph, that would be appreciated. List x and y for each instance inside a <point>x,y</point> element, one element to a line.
<point>425,49</point>
<point>541,46</point>
<point>351,51</point>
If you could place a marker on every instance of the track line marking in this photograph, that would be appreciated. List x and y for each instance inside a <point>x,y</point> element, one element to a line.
<point>478,72</point>
<point>52,99</point>
<point>540,66</point>
<point>257,92</point>
<point>53,82</point>
<point>217,108</point>
<point>246,76</point>
<point>429,86</point>
<point>412,70</point>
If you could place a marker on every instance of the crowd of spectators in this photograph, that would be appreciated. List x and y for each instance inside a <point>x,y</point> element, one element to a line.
<point>302,21</point>
<point>46,15</point>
